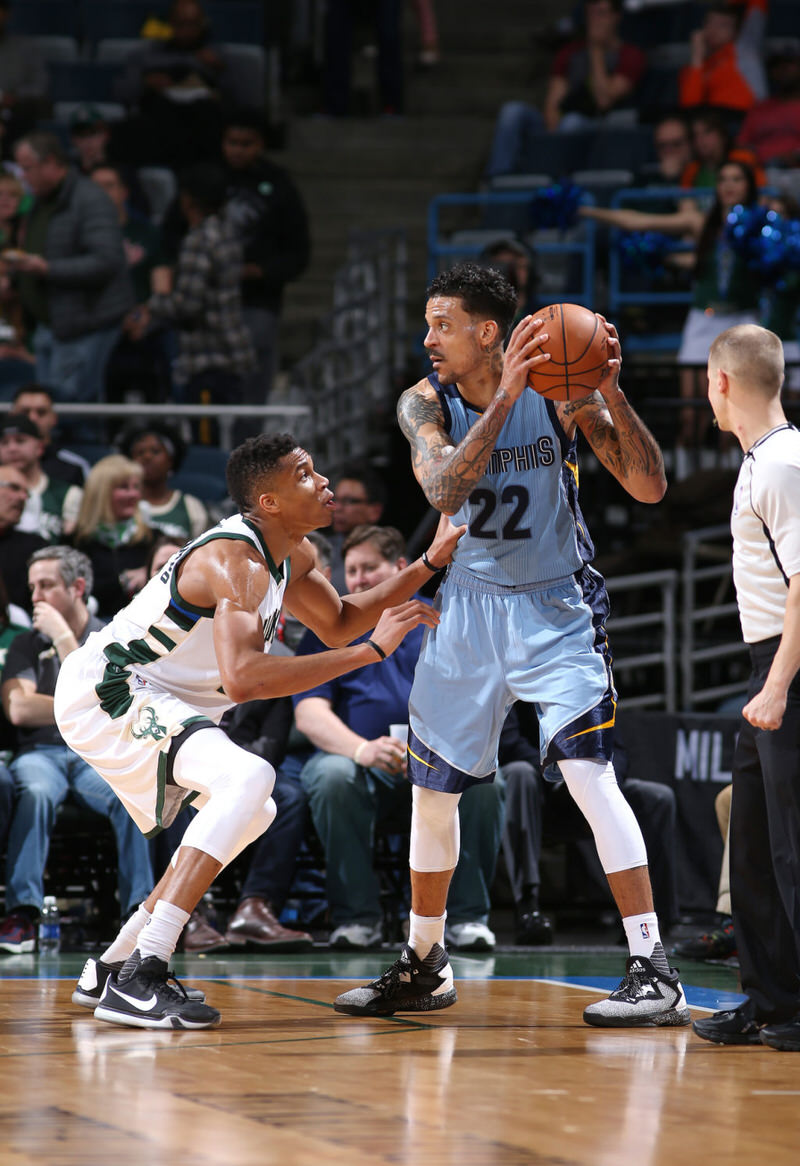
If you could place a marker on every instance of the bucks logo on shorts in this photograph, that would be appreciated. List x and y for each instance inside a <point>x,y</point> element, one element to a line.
<point>148,726</point>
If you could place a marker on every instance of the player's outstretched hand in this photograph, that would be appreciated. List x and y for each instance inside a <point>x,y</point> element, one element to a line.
<point>440,552</point>
<point>396,622</point>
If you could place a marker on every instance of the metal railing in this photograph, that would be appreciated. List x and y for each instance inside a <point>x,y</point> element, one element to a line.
<point>645,641</point>
<point>710,630</point>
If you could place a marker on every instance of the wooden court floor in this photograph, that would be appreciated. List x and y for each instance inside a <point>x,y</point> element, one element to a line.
<point>509,1076</point>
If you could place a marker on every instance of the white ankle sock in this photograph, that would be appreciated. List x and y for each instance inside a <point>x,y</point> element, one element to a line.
<point>159,937</point>
<point>120,948</point>
<point>643,937</point>
<point>424,931</point>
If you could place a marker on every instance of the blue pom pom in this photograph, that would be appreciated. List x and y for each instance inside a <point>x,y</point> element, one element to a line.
<point>556,206</point>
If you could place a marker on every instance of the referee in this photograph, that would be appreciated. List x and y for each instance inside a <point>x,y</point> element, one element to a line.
<point>745,374</point>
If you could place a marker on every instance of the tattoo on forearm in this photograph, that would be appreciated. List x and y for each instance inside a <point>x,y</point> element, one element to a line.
<point>448,474</point>
<point>619,438</point>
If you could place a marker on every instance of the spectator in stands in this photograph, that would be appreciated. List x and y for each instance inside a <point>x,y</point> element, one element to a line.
<point>16,546</point>
<point>534,802</point>
<point>359,497</point>
<point>90,135</point>
<point>72,275</point>
<point>52,505</point>
<point>772,126</point>
<point>23,76</point>
<point>110,530</point>
<point>11,624</point>
<point>339,32</point>
<point>138,367</point>
<point>264,727</point>
<point>517,262</point>
<point>720,942</point>
<point>175,88</point>
<point>14,202</point>
<point>269,215</point>
<point>215,352</point>
<point>713,144</point>
<point>672,146</point>
<point>726,69</point>
<point>725,291</point>
<point>36,403</point>
<point>159,449</point>
<point>44,769</point>
<point>357,776</point>
<point>591,78</point>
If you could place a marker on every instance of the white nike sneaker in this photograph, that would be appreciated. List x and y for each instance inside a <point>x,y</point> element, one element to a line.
<point>143,995</point>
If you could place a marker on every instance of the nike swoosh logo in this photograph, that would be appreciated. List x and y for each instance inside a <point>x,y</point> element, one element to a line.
<point>142,1005</point>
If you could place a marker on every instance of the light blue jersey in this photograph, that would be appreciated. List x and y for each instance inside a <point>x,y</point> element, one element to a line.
<point>522,613</point>
<point>523,521</point>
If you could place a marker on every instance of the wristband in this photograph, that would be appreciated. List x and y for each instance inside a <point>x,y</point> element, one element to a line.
<point>359,749</point>
<point>426,562</point>
<point>377,648</point>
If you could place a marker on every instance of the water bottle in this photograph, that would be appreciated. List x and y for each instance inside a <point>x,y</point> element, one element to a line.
<point>49,927</point>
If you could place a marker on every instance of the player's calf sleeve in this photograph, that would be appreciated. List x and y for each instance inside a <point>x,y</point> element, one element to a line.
<point>593,786</point>
<point>435,831</point>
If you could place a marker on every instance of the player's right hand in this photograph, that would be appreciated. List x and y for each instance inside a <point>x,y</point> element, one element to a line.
<point>396,622</point>
<point>522,354</point>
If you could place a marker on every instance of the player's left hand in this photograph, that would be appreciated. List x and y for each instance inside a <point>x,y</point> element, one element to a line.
<point>765,710</point>
<point>440,552</point>
<point>609,382</point>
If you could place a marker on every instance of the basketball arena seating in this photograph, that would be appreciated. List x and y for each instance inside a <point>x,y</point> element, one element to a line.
<point>83,42</point>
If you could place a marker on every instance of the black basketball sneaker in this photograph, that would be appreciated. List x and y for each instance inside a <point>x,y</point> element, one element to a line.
<point>409,985</point>
<point>89,987</point>
<point>144,995</point>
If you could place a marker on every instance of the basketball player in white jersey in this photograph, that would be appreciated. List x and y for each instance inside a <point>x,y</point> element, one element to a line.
<point>522,618</point>
<point>141,700</point>
<point>745,375</point>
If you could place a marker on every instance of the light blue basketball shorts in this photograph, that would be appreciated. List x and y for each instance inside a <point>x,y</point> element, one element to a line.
<point>543,644</point>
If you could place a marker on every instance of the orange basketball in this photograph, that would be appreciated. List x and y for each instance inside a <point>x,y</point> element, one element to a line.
<point>578,353</point>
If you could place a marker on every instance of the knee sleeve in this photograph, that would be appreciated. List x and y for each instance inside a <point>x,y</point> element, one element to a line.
<point>235,788</point>
<point>593,786</point>
<point>435,834</point>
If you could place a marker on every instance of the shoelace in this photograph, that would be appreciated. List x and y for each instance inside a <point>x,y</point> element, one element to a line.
<point>389,982</point>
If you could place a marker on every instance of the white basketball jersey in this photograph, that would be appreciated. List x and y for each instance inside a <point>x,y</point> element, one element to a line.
<point>162,640</point>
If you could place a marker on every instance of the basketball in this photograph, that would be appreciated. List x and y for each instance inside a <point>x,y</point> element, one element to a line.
<point>578,353</point>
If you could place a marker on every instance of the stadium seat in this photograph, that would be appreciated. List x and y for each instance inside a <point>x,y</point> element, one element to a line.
<point>103,19</point>
<point>58,17</point>
<point>246,73</point>
<point>160,187</point>
<point>110,110</point>
<point>117,48</point>
<point>82,80</point>
<point>57,48</point>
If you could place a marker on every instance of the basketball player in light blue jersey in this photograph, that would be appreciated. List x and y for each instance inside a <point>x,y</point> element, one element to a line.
<point>522,618</point>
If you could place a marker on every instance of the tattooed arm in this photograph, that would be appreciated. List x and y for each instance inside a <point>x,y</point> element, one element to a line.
<point>448,473</point>
<point>616,433</point>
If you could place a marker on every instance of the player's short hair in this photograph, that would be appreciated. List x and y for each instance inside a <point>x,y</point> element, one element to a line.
<point>387,540</point>
<point>484,292</point>
<point>752,356</point>
<point>252,464</point>
<point>72,565</point>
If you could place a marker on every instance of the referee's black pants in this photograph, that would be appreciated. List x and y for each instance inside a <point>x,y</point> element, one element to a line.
<point>765,853</point>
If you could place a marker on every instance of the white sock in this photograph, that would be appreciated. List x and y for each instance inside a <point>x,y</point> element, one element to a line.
<point>120,948</point>
<point>643,937</point>
<point>159,937</point>
<point>424,931</point>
